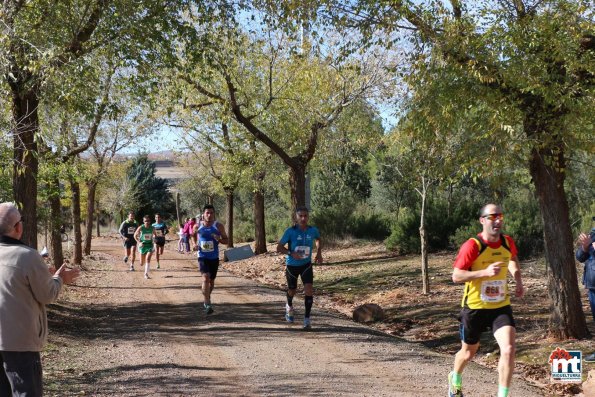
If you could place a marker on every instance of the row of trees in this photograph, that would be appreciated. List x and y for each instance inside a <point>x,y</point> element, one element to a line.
<point>268,90</point>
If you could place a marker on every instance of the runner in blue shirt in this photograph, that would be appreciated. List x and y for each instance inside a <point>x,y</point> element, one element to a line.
<point>160,231</point>
<point>210,234</point>
<point>300,240</point>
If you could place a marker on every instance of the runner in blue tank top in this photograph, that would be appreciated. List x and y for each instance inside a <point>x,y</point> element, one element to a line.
<point>209,235</point>
<point>160,231</point>
<point>300,239</point>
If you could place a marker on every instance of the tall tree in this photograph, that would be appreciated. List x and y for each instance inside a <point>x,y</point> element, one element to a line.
<point>281,90</point>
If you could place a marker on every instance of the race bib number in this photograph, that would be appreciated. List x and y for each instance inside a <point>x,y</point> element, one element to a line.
<point>207,246</point>
<point>147,236</point>
<point>303,251</point>
<point>493,291</point>
<point>131,230</point>
<point>158,233</point>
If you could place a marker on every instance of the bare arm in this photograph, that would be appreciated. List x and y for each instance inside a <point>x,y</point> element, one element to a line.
<point>515,271</point>
<point>223,239</point>
<point>318,258</point>
<point>462,276</point>
<point>137,234</point>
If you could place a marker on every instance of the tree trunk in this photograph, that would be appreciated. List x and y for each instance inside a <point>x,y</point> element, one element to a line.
<point>25,162</point>
<point>424,241</point>
<point>97,216</point>
<point>260,243</point>
<point>57,254</point>
<point>77,251</point>
<point>229,213</point>
<point>91,189</point>
<point>297,182</point>
<point>567,319</point>
<point>178,209</point>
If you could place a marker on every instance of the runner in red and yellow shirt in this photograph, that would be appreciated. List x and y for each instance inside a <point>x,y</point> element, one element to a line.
<point>482,264</point>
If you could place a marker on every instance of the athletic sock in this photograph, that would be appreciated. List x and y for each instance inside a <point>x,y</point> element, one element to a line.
<point>456,379</point>
<point>147,266</point>
<point>502,391</point>
<point>290,300</point>
<point>308,300</point>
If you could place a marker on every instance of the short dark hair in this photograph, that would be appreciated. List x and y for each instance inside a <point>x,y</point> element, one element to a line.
<point>482,209</point>
<point>146,217</point>
<point>157,214</point>
<point>208,207</point>
<point>302,208</point>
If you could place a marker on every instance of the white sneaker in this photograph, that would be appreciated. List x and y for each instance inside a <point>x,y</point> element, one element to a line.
<point>289,313</point>
<point>147,276</point>
<point>307,324</point>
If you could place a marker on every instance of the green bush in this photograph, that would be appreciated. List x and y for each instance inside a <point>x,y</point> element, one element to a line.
<point>243,232</point>
<point>441,225</point>
<point>373,226</point>
<point>404,237</point>
<point>332,221</point>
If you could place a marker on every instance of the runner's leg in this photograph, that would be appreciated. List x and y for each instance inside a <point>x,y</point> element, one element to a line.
<point>463,356</point>
<point>505,336</point>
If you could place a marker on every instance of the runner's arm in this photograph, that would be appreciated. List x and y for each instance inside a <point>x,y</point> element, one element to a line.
<point>223,239</point>
<point>318,258</point>
<point>136,234</point>
<point>515,270</point>
<point>122,230</point>
<point>462,276</point>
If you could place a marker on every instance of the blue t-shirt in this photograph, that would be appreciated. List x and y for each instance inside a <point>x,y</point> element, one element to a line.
<point>301,241</point>
<point>160,230</point>
<point>208,247</point>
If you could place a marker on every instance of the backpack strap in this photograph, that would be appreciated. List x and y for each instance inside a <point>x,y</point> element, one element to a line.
<point>481,245</point>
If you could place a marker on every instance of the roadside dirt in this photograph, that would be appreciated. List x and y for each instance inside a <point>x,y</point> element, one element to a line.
<point>115,333</point>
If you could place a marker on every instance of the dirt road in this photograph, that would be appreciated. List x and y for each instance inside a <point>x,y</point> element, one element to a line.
<point>119,334</point>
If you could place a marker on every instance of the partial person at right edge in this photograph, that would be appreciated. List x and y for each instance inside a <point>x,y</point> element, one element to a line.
<point>585,253</point>
<point>26,286</point>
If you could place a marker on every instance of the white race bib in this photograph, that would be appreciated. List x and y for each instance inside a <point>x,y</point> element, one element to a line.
<point>158,232</point>
<point>207,246</point>
<point>131,230</point>
<point>303,251</point>
<point>147,236</point>
<point>493,291</point>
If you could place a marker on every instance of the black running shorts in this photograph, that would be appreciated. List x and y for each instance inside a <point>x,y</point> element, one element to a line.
<point>210,266</point>
<point>292,273</point>
<point>476,321</point>
<point>129,243</point>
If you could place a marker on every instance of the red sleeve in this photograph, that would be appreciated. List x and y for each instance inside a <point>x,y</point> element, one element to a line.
<point>511,245</point>
<point>467,255</point>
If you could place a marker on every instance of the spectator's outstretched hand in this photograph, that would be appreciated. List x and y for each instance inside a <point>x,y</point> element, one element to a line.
<point>67,274</point>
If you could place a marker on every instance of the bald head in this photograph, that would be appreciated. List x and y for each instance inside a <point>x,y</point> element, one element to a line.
<point>9,217</point>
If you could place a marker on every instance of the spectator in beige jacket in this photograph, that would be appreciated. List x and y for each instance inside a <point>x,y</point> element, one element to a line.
<point>26,287</point>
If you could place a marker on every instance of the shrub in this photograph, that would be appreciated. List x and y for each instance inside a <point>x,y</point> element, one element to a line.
<point>373,226</point>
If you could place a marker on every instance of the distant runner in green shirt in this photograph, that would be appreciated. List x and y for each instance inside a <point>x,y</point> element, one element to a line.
<point>144,235</point>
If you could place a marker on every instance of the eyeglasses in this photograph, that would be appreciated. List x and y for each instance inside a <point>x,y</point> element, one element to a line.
<point>494,217</point>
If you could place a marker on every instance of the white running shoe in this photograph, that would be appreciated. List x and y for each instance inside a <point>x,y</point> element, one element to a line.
<point>307,324</point>
<point>289,313</point>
